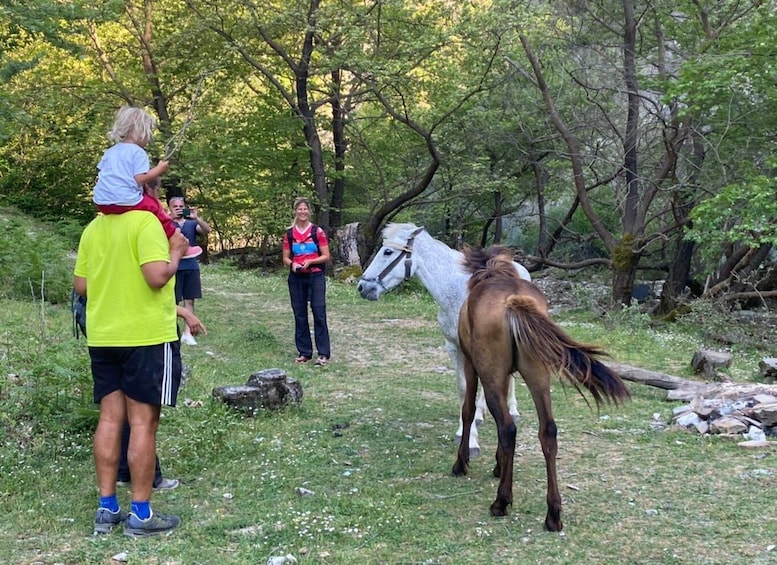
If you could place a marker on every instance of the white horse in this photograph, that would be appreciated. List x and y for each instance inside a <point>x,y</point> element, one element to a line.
<point>409,250</point>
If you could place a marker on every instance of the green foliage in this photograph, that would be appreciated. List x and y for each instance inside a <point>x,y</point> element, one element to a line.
<point>455,71</point>
<point>633,316</point>
<point>46,386</point>
<point>743,214</point>
<point>34,262</point>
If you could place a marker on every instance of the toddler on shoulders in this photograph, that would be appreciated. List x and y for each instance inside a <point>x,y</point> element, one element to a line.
<point>125,168</point>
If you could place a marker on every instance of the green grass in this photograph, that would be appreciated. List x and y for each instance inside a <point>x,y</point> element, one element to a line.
<point>373,440</point>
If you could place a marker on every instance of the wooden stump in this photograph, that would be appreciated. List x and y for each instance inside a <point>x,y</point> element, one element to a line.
<point>270,389</point>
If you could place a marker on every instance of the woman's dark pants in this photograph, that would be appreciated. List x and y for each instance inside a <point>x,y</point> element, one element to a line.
<point>304,289</point>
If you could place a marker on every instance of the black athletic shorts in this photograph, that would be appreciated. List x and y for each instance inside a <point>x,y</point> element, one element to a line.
<point>187,285</point>
<point>150,374</point>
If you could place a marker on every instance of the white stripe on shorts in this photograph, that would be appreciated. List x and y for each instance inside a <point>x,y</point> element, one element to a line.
<point>167,377</point>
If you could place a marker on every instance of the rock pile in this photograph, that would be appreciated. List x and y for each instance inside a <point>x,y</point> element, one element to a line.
<point>728,409</point>
<point>753,417</point>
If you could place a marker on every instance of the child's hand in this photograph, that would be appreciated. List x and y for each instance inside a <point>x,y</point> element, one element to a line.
<point>162,166</point>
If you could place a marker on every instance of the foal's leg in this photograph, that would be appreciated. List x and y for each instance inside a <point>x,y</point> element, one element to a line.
<point>467,417</point>
<point>512,405</point>
<point>538,381</point>
<point>496,398</point>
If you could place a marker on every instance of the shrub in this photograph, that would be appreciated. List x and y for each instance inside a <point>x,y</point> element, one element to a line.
<point>36,260</point>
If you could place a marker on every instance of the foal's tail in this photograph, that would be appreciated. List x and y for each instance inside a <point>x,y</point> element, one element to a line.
<point>537,337</point>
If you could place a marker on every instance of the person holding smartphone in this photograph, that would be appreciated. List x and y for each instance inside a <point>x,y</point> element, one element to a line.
<point>188,286</point>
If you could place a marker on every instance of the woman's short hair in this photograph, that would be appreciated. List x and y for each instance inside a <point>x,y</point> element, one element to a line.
<point>132,123</point>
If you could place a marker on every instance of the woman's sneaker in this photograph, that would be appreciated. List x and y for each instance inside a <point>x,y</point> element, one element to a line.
<point>156,524</point>
<point>105,520</point>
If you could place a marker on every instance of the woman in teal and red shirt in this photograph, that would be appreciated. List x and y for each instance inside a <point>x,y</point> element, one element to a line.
<point>306,252</point>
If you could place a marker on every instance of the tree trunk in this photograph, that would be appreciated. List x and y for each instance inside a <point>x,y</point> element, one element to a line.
<point>346,248</point>
<point>307,114</point>
<point>624,267</point>
<point>338,136</point>
<point>683,202</point>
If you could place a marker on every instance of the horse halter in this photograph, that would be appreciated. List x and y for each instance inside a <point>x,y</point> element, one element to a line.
<point>406,252</point>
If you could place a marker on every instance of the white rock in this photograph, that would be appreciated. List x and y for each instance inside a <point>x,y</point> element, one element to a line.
<point>688,419</point>
<point>755,434</point>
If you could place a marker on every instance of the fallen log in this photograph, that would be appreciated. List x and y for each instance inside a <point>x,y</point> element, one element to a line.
<point>686,390</point>
<point>652,378</point>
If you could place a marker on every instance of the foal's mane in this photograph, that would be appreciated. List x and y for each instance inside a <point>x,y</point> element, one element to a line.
<point>496,262</point>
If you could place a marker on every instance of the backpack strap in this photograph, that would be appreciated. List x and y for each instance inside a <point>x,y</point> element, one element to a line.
<point>313,236</point>
<point>78,308</point>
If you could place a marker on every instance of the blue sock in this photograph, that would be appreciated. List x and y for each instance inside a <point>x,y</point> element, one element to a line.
<point>110,502</point>
<point>142,509</point>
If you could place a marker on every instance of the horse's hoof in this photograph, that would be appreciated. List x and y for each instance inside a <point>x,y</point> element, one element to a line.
<point>474,452</point>
<point>479,421</point>
<point>516,418</point>
<point>459,469</point>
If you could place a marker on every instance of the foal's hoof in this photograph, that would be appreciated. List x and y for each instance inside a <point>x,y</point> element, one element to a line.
<point>498,510</point>
<point>516,418</point>
<point>459,469</point>
<point>553,526</point>
<point>553,520</point>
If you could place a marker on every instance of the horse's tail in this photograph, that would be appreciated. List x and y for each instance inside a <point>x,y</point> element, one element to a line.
<point>536,336</point>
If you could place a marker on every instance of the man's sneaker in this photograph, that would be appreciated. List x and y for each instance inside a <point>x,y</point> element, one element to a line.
<point>105,520</point>
<point>167,484</point>
<point>156,524</point>
<point>188,339</point>
<point>192,252</point>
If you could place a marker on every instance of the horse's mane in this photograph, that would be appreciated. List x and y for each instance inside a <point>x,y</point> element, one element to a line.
<point>496,262</point>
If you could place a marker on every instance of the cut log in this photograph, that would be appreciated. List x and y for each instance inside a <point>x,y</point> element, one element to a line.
<point>652,378</point>
<point>686,390</point>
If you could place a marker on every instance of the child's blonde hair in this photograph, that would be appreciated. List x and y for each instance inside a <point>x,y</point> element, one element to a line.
<point>132,124</point>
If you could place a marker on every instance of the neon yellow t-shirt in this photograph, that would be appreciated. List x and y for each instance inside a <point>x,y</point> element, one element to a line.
<point>122,310</point>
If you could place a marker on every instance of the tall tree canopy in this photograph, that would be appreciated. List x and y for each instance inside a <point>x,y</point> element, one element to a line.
<point>633,136</point>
